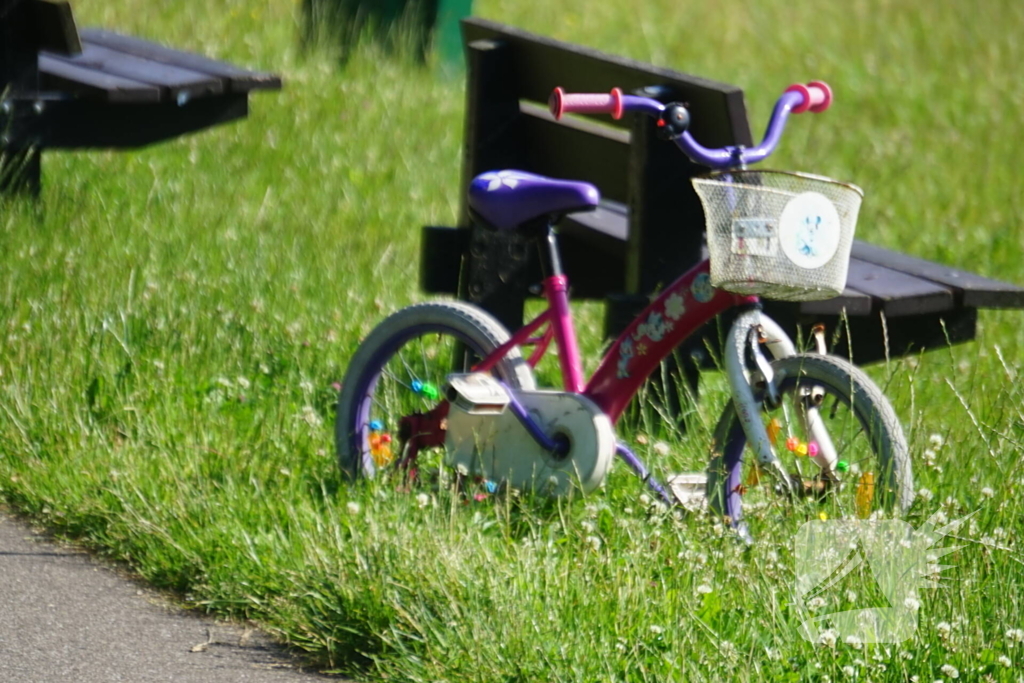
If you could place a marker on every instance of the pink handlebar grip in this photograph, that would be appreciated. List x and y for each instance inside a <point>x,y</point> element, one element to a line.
<point>817,97</point>
<point>585,103</point>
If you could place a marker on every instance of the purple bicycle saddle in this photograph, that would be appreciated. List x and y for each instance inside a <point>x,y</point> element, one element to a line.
<point>506,199</point>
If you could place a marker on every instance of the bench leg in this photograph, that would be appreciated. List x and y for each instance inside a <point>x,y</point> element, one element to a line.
<point>20,172</point>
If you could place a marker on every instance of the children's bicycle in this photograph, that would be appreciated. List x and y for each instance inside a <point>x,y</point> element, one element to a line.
<point>448,379</point>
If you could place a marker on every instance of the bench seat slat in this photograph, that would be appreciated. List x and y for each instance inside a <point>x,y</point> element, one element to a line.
<point>57,74</point>
<point>898,293</point>
<point>605,227</point>
<point>976,291</point>
<point>174,80</point>
<point>854,302</point>
<point>241,80</point>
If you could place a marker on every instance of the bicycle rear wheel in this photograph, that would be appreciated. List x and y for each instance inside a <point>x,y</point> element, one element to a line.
<point>390,409</point>
<point>874,471</point>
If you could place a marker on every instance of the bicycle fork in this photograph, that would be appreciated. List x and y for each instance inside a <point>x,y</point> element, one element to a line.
<point>750,331</point>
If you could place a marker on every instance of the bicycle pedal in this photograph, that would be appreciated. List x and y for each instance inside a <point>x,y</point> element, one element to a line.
<point>690,489</point>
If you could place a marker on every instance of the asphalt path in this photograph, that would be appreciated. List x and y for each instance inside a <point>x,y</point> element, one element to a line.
<point>66,617</point>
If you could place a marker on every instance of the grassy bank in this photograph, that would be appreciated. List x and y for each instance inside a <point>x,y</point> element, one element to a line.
<point>172,321</point>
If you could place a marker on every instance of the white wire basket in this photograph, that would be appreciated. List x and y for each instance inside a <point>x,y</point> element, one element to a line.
<point>778,234</point>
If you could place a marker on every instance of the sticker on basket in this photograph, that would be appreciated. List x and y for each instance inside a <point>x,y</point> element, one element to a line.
<point>754,237</point>
<point>809,230</point>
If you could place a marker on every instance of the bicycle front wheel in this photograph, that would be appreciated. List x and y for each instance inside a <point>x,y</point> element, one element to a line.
<point>390,409</point>
<point>873,470</point>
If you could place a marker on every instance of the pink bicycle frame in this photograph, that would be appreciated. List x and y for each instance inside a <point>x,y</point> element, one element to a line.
<point>679,311</point>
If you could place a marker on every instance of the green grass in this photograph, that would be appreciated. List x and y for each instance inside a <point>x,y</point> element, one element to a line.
<point>172,321</point>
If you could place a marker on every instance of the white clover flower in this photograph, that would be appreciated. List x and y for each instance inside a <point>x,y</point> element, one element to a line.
<point>853,641</point>
<point>912,603</point>
<point>242,382</point>
<point>656,630</point>
<point>944,629</point>
<point>588,527</point>
<point>999,532</point>
<point>311,417</point>
<point>815,603</point>
<point>849,671</point>
<point>1015,635</point>
<point>926,495</point>
<point>661,448</point>
<point>422,500</point>
<point>645,500</point>
<point>704,589</point>
<point>950,670</point>
<point>352,507</point>
<point>828,637</point>
<point>987,492</point>
<point>906,655</point>
<point>1005,661</point>
<point>936,441</point>
<point>593,541</point>
<point>851,596</point>
<point>224,382</point>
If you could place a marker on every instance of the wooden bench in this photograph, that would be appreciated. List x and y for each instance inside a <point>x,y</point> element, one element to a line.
<point>650,225</point>
<point>61,88</point>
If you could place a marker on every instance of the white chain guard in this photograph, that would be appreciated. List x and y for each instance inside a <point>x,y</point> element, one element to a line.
<point>498,447</point>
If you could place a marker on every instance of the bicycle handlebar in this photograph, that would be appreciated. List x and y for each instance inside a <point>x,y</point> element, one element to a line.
<point>586,103</point>
<point>817,97</point>
<point>814,97</point>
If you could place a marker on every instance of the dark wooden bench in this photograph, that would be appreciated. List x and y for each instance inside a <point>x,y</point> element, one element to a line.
<point>650,225</point>
<point>61,88</point>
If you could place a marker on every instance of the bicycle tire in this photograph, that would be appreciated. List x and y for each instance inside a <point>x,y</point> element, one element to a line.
<point>463,323</point>
<point>883,448</point>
